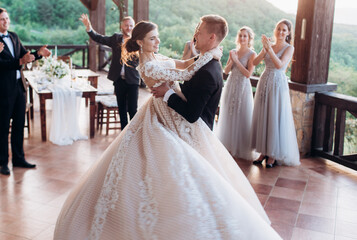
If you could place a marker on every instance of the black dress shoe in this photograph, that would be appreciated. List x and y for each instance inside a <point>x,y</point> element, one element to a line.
<point>260,161</point>
<point>271,165</point>
<point>5,170</point>
<point>23,164</point>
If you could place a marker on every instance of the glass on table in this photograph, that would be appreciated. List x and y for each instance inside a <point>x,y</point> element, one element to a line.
<point>83,81</point>
<point>73,76</point>
<point>29,66</point>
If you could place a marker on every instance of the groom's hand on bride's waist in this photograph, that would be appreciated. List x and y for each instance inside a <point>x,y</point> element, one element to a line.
<point>160,90</point>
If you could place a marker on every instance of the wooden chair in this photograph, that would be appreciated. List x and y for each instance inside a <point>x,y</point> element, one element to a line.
<point>28,104</point>
<point>27,123</point>
<point>107,112</point>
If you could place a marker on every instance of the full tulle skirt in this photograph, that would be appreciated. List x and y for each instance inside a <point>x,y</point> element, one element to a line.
<point>235,117</point>
<point>164,178</point>
<point>273,132</point>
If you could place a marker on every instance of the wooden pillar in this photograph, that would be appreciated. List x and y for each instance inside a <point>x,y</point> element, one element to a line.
<point>123,8</point>
<point>313,34</point>
<point>141,10</point>
<point>97,18</point>
<point>96,10</point>
<point>310,66</point>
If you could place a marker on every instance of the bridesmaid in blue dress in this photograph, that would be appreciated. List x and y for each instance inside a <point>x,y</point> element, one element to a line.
<point>273,133</point>
<point>236,107</point>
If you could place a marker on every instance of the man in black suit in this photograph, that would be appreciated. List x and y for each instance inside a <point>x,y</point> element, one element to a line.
<point>126,78</point>
<point>13,95</point>
<point>204,90</point>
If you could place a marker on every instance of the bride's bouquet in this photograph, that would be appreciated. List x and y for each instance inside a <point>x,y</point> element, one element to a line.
<point>54,68</point>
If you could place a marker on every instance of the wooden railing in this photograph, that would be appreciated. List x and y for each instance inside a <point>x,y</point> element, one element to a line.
<point>329,127</point>
<point>71,50</point>
<point>104,57</point>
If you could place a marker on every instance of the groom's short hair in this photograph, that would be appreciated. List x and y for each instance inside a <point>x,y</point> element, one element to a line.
<point>2,10</point>
<point>217,25</point>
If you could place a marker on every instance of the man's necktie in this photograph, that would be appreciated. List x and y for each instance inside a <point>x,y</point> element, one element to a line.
<point>5,36</point>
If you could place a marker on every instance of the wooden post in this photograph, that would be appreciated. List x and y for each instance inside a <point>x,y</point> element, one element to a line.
<point>123,8</point>
<point>141,10</point>
<point>96,10</point>
<point>313,34</point>
<point>309,72</point>
<point>97,18</point>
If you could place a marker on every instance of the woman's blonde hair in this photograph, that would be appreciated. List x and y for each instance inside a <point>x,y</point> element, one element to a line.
<point>250,34</point>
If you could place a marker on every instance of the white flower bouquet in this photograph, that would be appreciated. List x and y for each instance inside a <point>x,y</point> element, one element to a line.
<point>55,68</point>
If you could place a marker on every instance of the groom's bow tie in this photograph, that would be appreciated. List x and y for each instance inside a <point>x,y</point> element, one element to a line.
<point>5,36</point>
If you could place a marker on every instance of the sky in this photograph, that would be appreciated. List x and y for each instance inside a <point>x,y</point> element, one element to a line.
<point>345,10</point>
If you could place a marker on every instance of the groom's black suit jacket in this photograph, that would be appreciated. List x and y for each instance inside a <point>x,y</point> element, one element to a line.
<point>202,92</point>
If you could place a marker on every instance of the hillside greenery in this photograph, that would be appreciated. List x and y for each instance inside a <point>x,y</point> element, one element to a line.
<point>56,22</point>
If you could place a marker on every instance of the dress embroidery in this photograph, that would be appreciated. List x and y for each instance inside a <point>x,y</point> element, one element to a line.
<point>270,72</point>
<point>109,194</point>
<point>239,84</point>
<point>148,212</point>
<point>162,74</point>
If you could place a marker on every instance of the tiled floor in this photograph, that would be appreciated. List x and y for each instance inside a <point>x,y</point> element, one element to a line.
<point>317,200</point>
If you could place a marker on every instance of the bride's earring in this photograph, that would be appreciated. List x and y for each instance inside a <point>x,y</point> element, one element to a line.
<point>141,49</point>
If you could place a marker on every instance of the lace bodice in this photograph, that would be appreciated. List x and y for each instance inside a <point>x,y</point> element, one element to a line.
<point>238,84</point>
<point>244,61</point>
<point>270,64</point>
<point>155,72</point>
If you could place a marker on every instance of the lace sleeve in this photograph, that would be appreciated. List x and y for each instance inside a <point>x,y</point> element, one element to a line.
<point>153,72</point>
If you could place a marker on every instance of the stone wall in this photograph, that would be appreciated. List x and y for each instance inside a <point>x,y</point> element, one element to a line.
<point>303,111</point>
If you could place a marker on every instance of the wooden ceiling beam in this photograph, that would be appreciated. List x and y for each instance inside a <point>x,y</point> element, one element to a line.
<point>90,4</point>
<point>123,8</point>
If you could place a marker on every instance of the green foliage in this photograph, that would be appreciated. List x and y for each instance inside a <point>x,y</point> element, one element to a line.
<point>350,146</point>
<point>169,53</point>
<point>174,22</point>
<point>56,22</point>
<point>48,13</point>
<point>345,77</point>
<point>344,45</point>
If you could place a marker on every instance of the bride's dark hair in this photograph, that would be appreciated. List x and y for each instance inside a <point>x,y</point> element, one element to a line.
<point>130,48</point>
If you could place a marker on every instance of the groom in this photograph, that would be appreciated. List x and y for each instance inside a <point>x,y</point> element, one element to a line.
<point>204,89</point>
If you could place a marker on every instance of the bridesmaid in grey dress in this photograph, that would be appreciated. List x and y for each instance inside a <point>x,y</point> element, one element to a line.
<point>273,133</point>
<point>236,107</point>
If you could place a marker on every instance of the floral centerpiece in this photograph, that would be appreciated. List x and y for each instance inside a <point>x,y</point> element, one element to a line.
<point>54,68</point>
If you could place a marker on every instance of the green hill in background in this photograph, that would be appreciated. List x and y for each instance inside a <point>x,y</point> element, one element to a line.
<point>56,22</point>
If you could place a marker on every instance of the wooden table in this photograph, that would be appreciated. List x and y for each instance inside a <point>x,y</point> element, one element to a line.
<point>92,76</point>
<point>89,92</point>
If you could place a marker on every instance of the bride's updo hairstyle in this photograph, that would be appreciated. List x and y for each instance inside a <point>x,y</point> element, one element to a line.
<point>130,48</point>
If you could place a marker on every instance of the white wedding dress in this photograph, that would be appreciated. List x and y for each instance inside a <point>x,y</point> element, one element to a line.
<point>164,178</point>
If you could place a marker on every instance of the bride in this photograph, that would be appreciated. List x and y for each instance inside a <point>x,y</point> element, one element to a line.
<point>163,177</point>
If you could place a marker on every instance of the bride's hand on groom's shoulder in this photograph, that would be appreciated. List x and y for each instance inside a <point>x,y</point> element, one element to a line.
<point>217,52</point>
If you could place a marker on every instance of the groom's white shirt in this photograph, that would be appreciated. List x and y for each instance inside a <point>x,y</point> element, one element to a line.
<point>168,94</point>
